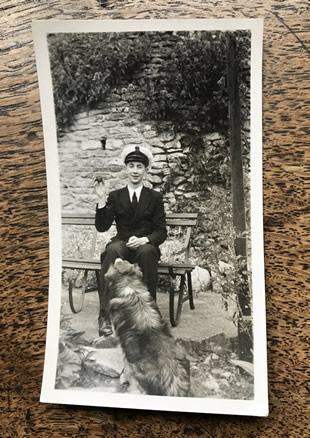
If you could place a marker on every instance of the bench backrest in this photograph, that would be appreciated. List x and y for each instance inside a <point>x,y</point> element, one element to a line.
<point>173,219</point>
<point>187,220</point>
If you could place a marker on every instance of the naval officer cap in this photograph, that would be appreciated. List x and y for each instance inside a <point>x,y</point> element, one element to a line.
<point>139,154</point>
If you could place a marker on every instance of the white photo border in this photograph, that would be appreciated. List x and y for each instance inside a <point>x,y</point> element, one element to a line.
<point>259,405</point>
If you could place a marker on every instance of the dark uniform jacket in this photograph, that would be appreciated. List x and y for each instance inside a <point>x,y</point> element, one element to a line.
<point>149,219</point>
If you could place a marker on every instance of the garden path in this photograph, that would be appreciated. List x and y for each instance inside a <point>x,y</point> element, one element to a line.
<point>209,318</point>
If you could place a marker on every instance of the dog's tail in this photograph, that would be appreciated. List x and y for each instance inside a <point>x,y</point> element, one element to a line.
<point>175,376</point>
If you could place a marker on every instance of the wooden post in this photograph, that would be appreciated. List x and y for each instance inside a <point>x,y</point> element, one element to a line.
<point>237,188</point>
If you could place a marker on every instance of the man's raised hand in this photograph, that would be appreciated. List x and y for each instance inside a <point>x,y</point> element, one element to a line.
<point>101,190</point>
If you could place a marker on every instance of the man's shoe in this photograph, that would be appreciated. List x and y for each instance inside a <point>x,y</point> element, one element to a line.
<point>105,328</point>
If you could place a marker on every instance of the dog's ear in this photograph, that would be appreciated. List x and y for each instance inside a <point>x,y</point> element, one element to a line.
<point>136,269</point>
<point>122,266</point>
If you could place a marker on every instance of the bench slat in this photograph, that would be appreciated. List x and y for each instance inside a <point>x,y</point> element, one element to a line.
<point>91,222</point>
<point>173,219</point>
<point>180,222</point>
<point>81,264</point>
<point>163,268</point>
<point>182,215</point>
<point>78,221</point>
<point>169,215</point>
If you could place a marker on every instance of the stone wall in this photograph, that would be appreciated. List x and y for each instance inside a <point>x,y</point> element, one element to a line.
<point>92,146</point>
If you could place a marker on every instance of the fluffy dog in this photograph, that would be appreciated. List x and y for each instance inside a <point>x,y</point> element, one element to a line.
<point>155,363</point>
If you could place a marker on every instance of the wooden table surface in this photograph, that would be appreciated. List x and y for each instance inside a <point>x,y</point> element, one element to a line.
<point>24,226</point>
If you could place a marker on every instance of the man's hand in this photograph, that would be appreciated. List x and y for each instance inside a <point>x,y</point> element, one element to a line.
<point>101,191</point>
<point>134,242</point>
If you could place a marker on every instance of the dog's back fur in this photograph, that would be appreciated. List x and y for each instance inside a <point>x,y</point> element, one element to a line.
<point>159,365</point>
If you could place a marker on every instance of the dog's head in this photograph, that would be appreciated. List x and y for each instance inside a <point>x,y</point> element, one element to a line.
<point>120,277</point>
<point>123,268</point>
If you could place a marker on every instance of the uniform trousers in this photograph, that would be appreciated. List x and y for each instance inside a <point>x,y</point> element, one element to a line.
<point>146,256</point>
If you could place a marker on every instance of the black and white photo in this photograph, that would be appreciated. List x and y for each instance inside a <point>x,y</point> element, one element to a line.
<point>153,143</point>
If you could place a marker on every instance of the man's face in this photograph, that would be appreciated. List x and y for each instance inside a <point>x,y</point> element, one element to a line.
<point>136,172</point>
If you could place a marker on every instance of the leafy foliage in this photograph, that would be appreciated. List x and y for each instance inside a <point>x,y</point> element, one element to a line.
<point>191,82</point>
<point>213,248</point>
<point>188,85</point>
<point>204,165</point>
<point>215,373</point>
<point>70,355</point>
<point>86,66</point>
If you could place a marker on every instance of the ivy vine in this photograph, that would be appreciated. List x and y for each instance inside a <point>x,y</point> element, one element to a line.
<point>188,83</point>
<point>85,67</point>
<point>182,76</point>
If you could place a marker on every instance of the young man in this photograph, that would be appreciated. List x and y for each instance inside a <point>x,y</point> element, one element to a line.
<point>141,226</point>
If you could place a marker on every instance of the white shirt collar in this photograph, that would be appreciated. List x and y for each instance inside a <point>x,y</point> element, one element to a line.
<point>138,192</point>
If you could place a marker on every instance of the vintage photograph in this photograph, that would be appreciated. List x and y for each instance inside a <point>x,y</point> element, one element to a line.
<point>152,132</point>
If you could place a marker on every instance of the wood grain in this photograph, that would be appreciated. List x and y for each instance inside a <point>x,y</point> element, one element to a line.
<point>24,226</point>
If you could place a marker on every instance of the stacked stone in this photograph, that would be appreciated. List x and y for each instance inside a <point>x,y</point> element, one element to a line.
<point>92,145</point>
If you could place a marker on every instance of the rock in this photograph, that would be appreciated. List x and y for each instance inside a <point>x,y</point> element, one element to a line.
<point>150,134</point>
<point>201,279</point>
<point>217,371</point>
<point>157,150</point>
<point>69,365</point>
<point>82,182</point>
<point>112,144</point>
<point>148,127</point>
<point>178,180</point>
<point>207,360</point>
<point>112,98</point>
<point>127,96</point>
<point>226,375</point>
<point>108,124</point>
<point>174,144</point>
<point>155,179</point>
<point>246,366</point>
<point>159,157</point>
<point>109,341</point>
<point>224,382</point>
<point>190,195</point>
<point>80,116</point>
<point>116,117</point>
<point>212,136</point>
<point>156,171</point>
<point>107,361</point>
<point>211,384</point>
<point>69,144</point>
<point>224,268</point>
<point>167,136</point>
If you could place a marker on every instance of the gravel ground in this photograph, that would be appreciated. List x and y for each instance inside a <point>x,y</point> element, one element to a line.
<point>209,318</point>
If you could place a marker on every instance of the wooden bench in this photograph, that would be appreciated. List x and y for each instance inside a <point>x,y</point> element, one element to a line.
<point>184,269</point>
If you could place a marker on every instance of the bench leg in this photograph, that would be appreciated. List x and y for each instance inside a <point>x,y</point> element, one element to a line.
<point>76,305</point>
<point>176,319</point>
<point>190,291</point>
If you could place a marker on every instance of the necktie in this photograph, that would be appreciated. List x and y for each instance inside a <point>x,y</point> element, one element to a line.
<point>134,201</point>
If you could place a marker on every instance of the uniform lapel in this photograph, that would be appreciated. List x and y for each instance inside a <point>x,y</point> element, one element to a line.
<point>125,200</point>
